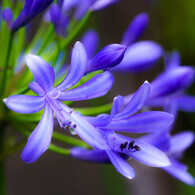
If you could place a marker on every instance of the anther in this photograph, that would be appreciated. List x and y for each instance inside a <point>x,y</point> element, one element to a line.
<point>131,144</point>
<point>74,126</point>
<point>137,148</point>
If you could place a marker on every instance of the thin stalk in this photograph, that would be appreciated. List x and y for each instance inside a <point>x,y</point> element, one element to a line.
<point>76,30</point>
<point>50,35</point>
<point>6,64</point>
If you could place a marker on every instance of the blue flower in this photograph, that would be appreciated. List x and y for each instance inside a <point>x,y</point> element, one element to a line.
<point>174,146</point>
<point>116,148</point>
<point>168,89</point>
<point>31,9</point>
<point>49,99</point>
<point>139,56</point>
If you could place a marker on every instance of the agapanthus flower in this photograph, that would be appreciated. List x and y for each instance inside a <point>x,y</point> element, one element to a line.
<point>49,98</point>
<point>7,16</point>
<point>168,89</point>
<point>174,146</point>
<point>117,148</point>
<point>139,56</point>
<point>59,19</point>
<point>31,9</point>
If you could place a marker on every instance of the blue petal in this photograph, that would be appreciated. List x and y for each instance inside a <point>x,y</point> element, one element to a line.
<point>186,103</point>
<point>172,81</point>
<point>36,88</point>
<point>100,4</point>
<point>181,141</point>
<point>137,101</point>
<point>90,40</point>
<point>25,104</point>
<point>77,67</point>
<point>179,171</point>
<point>31,9</point>
<point>98,86</point>
<point>7,16</point>
<point>146,122</point>
<point>108,57</point>
<point>95,155</point>
<point>42,72</point>
<point>91,135</point>
<point>135,29</point>
<point>104,119</point>
<point>40,138</point>
<point>148,154</point>
<point>120,164</point>
<point>160,140</point>
<point>172,60</point>
<point>139,57</point>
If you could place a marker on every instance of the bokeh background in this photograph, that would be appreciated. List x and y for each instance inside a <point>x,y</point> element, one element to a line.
<point>172,24</point>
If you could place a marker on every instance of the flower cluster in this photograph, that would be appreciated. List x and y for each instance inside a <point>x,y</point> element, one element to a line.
<point>59,76</point>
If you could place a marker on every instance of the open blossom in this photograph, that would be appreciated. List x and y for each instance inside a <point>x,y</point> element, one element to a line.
<point>116,147</point>
<point>49,98</point>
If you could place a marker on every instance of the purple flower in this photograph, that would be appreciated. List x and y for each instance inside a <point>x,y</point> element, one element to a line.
<point>139,56</point>
<point>7,16</point>
<point>31,9</point>
<point>49,99</point>
<point>116,147</point>
<point>59,19</point>
<point>142,55</point>
<point>168,89</point>
<point>174,146</point>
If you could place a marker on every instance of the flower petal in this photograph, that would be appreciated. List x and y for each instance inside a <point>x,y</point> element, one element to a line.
<point>42,72</point>
<point>148,154</point>
<point>31,9</point>
<point>179,171</point>
<point>34,86</point>
<point>95,155</point>
<point>135,29</point>
<point>172,81</point>
<point>146,122</point>
<point>172,60</point>
<point>181,141</point>
<point>98,86</point>
<point>186,103</point>
<point>139,57</point>
<point>25,104</point>
<point>90,40</point>
<point>40,138</point>
<point>137,101</point>
<point>104,119</point>
<point>91,135</point>
<point>108,57</point>
<point>100,4</point>
<point>77,67</point>
<point>121,165</point>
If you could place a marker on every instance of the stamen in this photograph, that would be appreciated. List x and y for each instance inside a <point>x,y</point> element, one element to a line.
<point>130,147</point>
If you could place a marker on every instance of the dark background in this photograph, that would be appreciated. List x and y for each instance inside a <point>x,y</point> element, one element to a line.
<point>172,24</point>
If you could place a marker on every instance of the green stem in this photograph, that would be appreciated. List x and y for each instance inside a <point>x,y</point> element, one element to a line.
<point>95,110</point>
<point>50,35</point>
<point>6,64</point>
<point>69,140</point>
<point>59,150</point>
<point>76,30</point>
